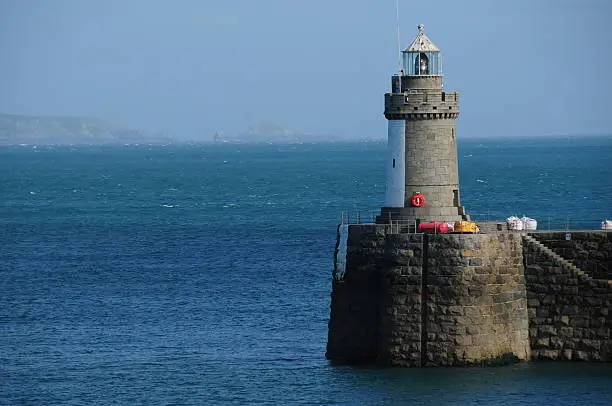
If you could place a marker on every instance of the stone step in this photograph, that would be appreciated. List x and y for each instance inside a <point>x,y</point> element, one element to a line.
<point>567,265</point>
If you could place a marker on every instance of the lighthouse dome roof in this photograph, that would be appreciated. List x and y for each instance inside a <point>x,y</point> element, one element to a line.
<point>422,43</point>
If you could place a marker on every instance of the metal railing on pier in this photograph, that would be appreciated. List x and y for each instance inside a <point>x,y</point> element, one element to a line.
<point>369,217</point>
<point>357,217</point>
<point>548,223</point>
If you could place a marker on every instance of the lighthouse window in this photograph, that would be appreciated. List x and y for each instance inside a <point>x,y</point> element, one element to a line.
<point>421,64</point>
<point>443,96</point>
<point>394,162</point>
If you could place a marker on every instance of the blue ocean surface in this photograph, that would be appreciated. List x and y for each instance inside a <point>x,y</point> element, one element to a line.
<point>201,274</point>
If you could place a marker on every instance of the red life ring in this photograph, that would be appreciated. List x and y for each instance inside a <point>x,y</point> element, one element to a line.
<point>417,200</point>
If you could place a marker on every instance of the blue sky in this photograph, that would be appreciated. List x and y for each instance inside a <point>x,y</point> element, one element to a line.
<point>191,67</point>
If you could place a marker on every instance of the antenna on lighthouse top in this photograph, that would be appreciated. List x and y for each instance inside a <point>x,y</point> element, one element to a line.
<point>399,47</point>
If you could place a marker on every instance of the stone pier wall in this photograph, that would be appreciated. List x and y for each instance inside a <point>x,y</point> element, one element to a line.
<point>569,311</point>
<point>353,326</point>
<point>428,300</point>
<point>476,301</point>
<point>463,299</point>
<point>401,301</point>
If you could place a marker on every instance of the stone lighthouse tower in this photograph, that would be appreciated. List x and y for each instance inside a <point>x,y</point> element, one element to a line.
<point>422,171</point>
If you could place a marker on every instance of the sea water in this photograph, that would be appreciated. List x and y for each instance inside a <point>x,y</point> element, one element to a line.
<point>201,274</point>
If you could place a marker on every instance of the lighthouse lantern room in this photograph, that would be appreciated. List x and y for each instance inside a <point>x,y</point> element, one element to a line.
<point>422,57</point>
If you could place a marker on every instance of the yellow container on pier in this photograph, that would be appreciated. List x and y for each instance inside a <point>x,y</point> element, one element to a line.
<point>466,227</point>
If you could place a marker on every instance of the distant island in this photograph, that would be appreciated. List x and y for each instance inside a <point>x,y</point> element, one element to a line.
<point>270,133</point>
<point>36,130</point>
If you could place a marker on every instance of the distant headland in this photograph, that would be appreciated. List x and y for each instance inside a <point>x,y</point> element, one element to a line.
<point>56,130</point>
<point>49,130</point>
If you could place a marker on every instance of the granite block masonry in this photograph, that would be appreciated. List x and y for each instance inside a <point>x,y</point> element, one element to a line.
<point>589,251</point>
<point>428,300</point>
<point>419,300</point>
<point>569,309</point>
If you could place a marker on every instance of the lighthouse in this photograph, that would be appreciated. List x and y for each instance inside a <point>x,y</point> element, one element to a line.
<point>407,298</point>
<point>422,175</point>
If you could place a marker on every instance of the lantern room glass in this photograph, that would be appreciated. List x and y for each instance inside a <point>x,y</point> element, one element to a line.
<point>422,63</point>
